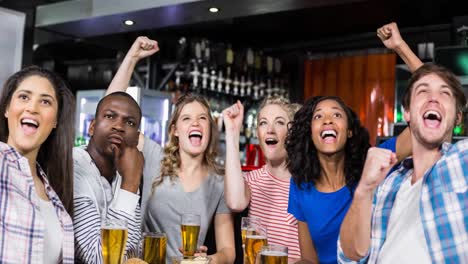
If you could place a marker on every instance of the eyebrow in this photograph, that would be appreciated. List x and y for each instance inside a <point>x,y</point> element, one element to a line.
<point>30,92</point>
<point>279,117</point>
<point>427,84</point>
<point>334,108</point>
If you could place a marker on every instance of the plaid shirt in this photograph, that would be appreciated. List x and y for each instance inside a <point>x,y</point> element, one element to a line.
<point>443,207</point>
<point>21,224</point>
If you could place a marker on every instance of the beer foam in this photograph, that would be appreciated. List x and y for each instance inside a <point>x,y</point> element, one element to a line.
<point>256,237</point>
<point>114,228</point>
<point>274,253</point>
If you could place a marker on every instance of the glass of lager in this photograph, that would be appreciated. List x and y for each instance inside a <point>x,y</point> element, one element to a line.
<point>114,235</point>
<point>154,247</point>
<point>255,239</point>
<point>245,225</point>
<point>274,254</point>
<point>190,228</point>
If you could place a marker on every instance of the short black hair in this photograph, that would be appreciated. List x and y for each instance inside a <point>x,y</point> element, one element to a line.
<point>122,94</point>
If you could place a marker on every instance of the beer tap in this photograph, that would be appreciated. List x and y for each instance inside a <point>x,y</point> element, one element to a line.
<point>261,89</point>
<point>205,77</point>
<point>195,75</point>
<point>276,89</point>
<point>228,80</point>
<point>236,86</point>
<point>248,84</point>
<point>269,90</point>
<point>213,79</point>
<point>220,81</point>
<point>242,86</point>
<point>256,89</point>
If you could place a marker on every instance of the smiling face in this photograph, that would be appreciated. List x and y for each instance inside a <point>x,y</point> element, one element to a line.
<point>272,131</point>
<point>116,123</point>
<point>32,114</point>
<point>192,129</point>
<point>329,127</point>
<point>432,113</point>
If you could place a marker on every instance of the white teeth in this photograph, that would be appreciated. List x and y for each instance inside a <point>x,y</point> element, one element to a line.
<point>430,112</point>
<point>29,121</point>
<point>195,133</point>
<point>328,133</point>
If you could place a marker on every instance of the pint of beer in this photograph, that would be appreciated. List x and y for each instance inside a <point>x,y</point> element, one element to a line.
<point>114,235</point>
<point>255,239</point>
<point>190,228</point>
<point>246,224</point>
<point>154,247</point>
<point>274,254</point>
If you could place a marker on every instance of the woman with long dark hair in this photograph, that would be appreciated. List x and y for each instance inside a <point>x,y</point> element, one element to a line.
<point>327,147</point>
<point>36,134</point>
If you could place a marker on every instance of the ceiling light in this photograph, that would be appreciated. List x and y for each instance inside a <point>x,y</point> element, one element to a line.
<point>213,10</point>
<point>129,22</point>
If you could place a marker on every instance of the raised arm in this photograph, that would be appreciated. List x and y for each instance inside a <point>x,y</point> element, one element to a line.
<point>391,38</point>
<point>403,145</point>
<point>237,193</point>
<point>141,48</point>
<point>355,233</point>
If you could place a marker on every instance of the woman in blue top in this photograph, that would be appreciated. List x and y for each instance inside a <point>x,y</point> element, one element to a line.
<point>327,147</point>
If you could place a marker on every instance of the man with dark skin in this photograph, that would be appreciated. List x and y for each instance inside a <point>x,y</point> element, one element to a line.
<point>107,176</point>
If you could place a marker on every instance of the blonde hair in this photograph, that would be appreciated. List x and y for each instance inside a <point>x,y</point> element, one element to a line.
<point>284,103</point>
<point>171,160</point>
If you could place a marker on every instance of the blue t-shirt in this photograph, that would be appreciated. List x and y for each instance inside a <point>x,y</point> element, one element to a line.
<point>389,144</point>
<point>324,212</point>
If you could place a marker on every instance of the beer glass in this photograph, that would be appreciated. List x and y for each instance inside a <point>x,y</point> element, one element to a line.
<point>245,225</point>
<point>255,239</point>
<point>190,228</point>
<point>114,235</point>
<point>274,254</point>
<point>154,247</point>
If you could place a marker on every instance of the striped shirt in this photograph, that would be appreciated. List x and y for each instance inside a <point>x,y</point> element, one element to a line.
<point>269,202</point>
<point>22,227</point>
<point>94,199</point>
<point>443,207</point>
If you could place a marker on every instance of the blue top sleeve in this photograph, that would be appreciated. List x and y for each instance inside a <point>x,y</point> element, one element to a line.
<point>293,204</point>
<point>389,144</point>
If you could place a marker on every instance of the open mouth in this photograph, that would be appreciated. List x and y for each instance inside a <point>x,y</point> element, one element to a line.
<point>328,135</point>
<point>195,137</point>
<point>432,119</point>
<point>271,141</point>
<point>29,126</point>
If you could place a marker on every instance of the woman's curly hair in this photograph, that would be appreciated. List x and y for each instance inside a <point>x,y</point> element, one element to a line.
<point>303,162</point>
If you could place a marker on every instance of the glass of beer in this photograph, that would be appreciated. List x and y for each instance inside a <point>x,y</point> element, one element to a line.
<point>114,235</point>
<point>274,254</point>
<point>245,225</point>
<point>255,239</point>
<point>154,247</point>
<point>190,228</point>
